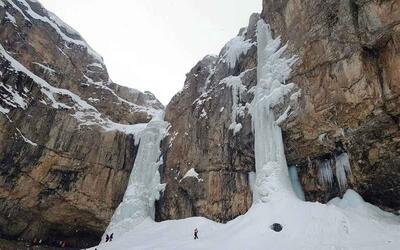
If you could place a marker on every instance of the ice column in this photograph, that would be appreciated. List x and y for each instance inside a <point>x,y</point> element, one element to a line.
<point>272,178</point>
<point>296,184</point>
<point>144,183</point>
<point>343,170</point>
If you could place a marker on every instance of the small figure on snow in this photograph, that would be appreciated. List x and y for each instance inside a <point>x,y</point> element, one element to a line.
<point>195,233</point>
<point>107,238</point>
<point>111,236</point>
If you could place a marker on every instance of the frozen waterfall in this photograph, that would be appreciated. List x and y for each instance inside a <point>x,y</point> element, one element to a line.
<point>273,70</point>
<point>144,183</point>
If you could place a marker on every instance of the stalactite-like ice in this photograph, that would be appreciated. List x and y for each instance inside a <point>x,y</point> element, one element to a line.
<point>343,170</point>
<point>325,173</point>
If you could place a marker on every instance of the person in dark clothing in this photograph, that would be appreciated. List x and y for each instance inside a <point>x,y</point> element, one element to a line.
<point>195,233</point>
<point>111,236</point>
<point>107,238</point>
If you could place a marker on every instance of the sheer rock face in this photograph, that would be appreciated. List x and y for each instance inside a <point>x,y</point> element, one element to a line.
<point>200,137</point>
<point>63,169</point>
<point>348,72</point>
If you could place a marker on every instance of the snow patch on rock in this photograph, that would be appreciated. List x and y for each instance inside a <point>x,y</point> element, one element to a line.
<point>26,139</point>
<point>11,18</point>
<point>85,113</point>
<point>56,24</point>
<point>235,48</point>
<point>191,173</point>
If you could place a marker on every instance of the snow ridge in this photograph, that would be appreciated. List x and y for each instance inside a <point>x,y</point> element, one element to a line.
<point>85,113</point>
<point>55,23</point>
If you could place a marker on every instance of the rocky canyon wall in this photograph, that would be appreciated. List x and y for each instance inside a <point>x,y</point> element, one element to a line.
<point>348,74</point>
<point>66,143</point>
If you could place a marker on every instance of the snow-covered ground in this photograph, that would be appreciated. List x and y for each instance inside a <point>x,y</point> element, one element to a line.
<point>343,224</point>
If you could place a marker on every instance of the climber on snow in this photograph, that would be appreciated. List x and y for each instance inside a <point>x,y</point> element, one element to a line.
<point>195,233</point>
<point>107,238</point>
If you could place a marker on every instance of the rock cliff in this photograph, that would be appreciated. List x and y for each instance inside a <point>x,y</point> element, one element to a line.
<point>66,130</point>
<point>346,107</point>
<point>349,76</point>
<point>211,134</point>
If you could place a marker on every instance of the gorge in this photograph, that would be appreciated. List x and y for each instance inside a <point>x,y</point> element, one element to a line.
<point>309,88</point>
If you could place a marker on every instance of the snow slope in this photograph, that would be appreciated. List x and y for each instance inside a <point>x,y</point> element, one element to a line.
<point>344,224</point>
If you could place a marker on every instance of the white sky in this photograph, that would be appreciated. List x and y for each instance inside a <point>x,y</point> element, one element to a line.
<point>152,44</point>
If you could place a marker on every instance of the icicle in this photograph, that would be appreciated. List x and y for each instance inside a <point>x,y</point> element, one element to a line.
<point>294,177</point>
<point>325,173</point>
<point>343,170</point>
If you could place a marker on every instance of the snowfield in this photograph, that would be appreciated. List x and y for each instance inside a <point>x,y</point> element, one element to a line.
<point>343,224</point>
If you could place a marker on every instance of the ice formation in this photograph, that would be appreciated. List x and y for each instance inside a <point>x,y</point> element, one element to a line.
<point>273,70</point>
<point>343,169</point>
<point>296,184</point>
<point>235,48</point>
<point>144,182</point>
<point>325,173</point>
<point>238,109</point>
<point>342,173</point>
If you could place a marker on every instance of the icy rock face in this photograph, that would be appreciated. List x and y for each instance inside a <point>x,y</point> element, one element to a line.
<point>348,71</point>
<point>67,132</point>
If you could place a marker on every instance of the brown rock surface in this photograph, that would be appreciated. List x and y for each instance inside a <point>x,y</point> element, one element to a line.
<point>200,138</point>
<point>61,178</point>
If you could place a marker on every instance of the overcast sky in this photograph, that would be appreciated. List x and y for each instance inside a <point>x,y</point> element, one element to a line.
<point>152,44</point>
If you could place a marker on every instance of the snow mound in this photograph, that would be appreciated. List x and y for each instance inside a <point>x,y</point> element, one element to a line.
<point>343,224</point>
